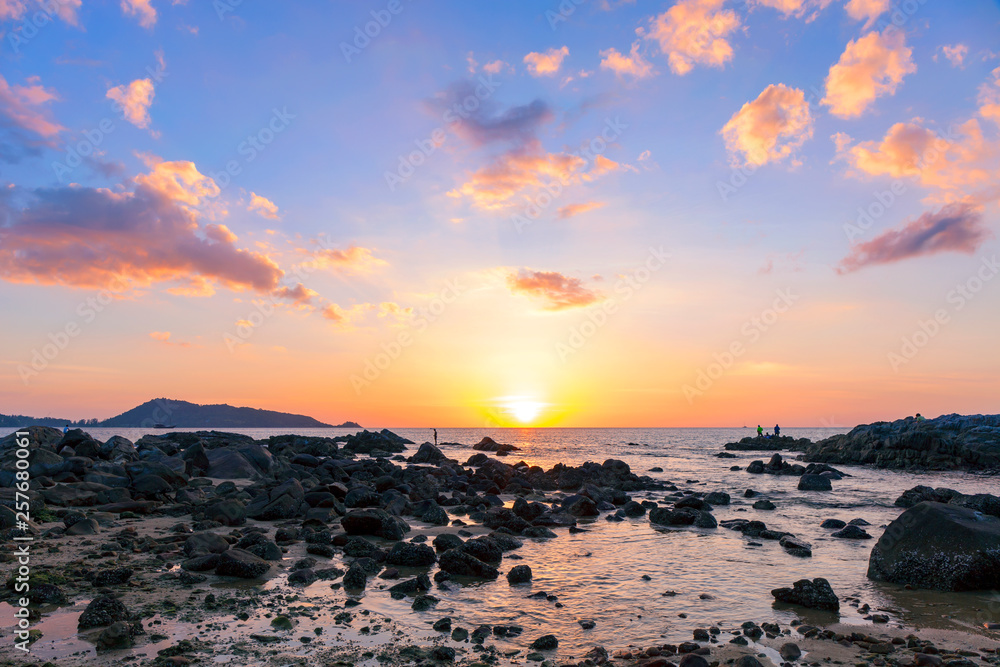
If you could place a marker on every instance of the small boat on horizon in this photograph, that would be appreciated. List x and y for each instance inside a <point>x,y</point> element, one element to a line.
<point>164,426</point>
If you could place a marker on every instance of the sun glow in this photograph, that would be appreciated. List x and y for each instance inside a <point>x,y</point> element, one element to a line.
<point>518,410</point>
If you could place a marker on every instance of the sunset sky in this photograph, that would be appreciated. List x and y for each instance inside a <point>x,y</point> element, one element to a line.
<point>593,213</point>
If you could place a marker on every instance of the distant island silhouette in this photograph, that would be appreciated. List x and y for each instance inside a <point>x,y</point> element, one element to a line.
<point>169,412</point>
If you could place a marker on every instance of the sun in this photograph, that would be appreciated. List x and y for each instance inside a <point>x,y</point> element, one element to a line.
<point>525,411</point>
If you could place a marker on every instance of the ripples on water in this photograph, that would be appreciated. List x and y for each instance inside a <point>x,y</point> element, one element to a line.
<point>598,575</point>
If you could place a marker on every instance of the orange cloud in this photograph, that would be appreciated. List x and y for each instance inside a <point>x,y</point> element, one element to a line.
<point>955,54</point>
<point>496,66</point>
<point>546,64</point>
<point>955,228</point>
<point>870,67</point>
<point>134,100</point>
<point>177,181</point>
<point>633,65</point>
<point>163,336</point>
<point>343,317</point>
<point>694,32</point>
<point>515,175</point>
<point>989,98</point>
<point>95,237</point>
<point>771,128</point>
<point>263,206</point>
<point>20,104</point>
<point>867,10</point>
<point>142,9</point>
<point>354,259</point>
<point>576,209</point>
<point>299,294</point>
<point>559,292</point>
<point>961,165</point>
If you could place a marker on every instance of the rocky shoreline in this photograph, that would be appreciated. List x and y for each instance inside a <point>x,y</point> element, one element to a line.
<point>180,513</point>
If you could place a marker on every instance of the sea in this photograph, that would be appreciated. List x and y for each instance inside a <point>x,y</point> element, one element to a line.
<point>643,585</point>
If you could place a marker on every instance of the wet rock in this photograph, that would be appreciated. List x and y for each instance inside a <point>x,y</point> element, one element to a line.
<point>764,505</point>
<point>375,522</point>
<point>103,610</point>
<point>485,549</point>
<point>717,498</point>
<point>302,577</point>
<point>833,524</point>
<point>519,574</point>
<point>358,547</point>
<point>459,563</point>
<point>424,602</point>
<point>205,543</point>
<point>814,483</point>
<point>112,577</point>
<point>356,578</point>
<point>815,594</point>
<point>118,635</point>
<point>428,453</point>
<point>633,509</point>
<point>446,541</point>
<point>790,652</point>
<point>748,661</point>
<point>580,506</point>
<point>84,527</point>
<point>201,563</point>
<point>755,467</point>
<point>188,579</point>
<point>693,660</point>
<point>407,554</point>
<point>410,588</point>
<point>851,532</point>
<point>47,594</point>
<point>242,564</point>
<point>545,643</point>
<point>442,625</point>
<point>795,546</point>
<point>938,546</point>
<point>229,512</point>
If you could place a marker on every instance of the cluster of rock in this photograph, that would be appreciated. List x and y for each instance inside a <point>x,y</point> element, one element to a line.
<point>768,444</point>
<point>814,477</point>
<point>950,442</point>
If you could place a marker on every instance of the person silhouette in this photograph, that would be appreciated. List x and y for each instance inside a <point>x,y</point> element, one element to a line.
<point>760,431</point>
<point>777,431</point>
<point>435,436</point>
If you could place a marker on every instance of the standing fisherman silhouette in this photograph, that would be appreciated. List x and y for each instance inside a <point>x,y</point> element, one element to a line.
<point>777,430</point>
<point>435,436</point>
<point>760,431</point>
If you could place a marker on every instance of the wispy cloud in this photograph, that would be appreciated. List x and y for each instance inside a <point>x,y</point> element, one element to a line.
<point>556,291</point>
<point>954,228</point>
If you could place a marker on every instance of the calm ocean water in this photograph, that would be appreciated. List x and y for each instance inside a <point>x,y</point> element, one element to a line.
<point>598,575</point>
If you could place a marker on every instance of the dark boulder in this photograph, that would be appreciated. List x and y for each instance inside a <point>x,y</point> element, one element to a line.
<point>242,564</point>
<point>938,546</point>
<point>814,483</point>
<point>457,562</point>
<point>851,532</point>
<point>519,574</point>
<point>373,521</point>
<point>815,594</point>
<point>103,610</point>
<point>408,554</point>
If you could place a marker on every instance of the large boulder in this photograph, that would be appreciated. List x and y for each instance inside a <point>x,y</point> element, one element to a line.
<point>428,453</point>
<point>814,483</point>
<point>815,594</point>
<point>459,563</point>
<point>948,442</point>
<point>373,521</point>
<point>242,564</point>
<point>938,546</point>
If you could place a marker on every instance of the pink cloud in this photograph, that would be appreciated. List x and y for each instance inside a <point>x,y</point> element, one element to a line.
<point>559,292</point>
<point>134,100</point>
<point>632,65</point>
<point>22,106</point>
<point>95,237</point>
<point>954,228</point>
<point>869,68</point>
<point>263,207</point>
<point>694,32</point>
<point>577,209</point>
<point>546,64</point>
<point>771,128</point>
